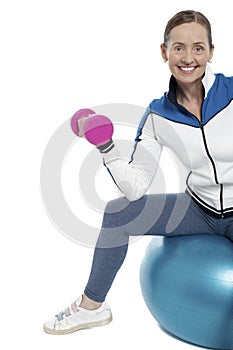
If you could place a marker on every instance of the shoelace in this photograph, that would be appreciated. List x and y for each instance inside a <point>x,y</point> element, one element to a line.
<point>68,311</point>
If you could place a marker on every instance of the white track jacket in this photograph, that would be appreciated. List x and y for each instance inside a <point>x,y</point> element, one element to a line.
<point>205,148</point>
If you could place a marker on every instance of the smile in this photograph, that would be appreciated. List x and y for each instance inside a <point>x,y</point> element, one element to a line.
<point>187,69</point>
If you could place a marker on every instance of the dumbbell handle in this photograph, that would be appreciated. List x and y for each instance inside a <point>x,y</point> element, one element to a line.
<point>81,123</point>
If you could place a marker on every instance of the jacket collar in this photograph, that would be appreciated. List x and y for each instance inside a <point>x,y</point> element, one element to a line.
<point>208,80</point>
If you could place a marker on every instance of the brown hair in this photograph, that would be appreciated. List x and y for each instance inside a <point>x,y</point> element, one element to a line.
<point>187,17</point>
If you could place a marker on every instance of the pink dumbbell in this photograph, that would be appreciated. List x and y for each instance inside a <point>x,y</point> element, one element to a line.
<point>96,128</point>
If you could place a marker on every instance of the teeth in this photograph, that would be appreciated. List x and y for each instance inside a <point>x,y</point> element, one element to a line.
<point>187,69</point>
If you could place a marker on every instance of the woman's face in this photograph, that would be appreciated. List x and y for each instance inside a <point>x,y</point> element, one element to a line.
<point>187,52</point>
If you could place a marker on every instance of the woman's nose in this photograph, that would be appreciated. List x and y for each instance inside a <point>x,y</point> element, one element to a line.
<point>187,57</point>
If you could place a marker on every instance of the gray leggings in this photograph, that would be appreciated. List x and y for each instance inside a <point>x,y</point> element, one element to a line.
<point>159,214</point>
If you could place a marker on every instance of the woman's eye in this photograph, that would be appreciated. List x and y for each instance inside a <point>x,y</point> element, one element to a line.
<point>198,49</point>
<point>179,48</point>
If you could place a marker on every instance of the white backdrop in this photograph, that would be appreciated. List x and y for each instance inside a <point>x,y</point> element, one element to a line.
<point>58,56</point>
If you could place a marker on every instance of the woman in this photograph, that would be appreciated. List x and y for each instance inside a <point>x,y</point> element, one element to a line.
<point>195,120</point>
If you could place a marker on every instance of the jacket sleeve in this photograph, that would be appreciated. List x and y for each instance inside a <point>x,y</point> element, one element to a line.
<point>133,176</point>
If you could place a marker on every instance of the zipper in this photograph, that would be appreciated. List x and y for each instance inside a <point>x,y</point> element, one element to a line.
<point>213,164</point>
<point>214,169</point>
<point>221,200</point>
<point>183,109</point>
<point>208,154</point>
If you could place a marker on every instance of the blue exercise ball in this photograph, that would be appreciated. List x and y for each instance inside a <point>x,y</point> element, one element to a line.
<point>187,284</point>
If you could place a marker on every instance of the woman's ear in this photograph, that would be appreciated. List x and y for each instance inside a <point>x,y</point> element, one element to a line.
<point>163,52</point>
<point>211,52</point>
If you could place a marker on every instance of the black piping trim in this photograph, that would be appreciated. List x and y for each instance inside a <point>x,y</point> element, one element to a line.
<point>138,139</point>
<point>221,197</point>
<point>175,121</point>
<point>209,156</point>
<point>171,96</point>
<point>214,115</point>
<point>186,123</point>
<point>208,208</point>
<point>194,195</point>
<point>112,176</point>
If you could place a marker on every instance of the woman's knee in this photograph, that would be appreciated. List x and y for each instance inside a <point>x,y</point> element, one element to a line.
<point>116,205</point>
<point>121,211</point>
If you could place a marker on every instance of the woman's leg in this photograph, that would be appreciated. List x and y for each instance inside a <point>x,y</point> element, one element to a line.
<point>166,215</point>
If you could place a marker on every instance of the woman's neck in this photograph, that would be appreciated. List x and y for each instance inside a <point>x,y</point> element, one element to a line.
<point>190,93</point>
<point>191,97</point>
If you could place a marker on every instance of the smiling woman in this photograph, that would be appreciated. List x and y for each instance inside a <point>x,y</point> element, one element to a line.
<point>188,47</point>
<point>188,119</point>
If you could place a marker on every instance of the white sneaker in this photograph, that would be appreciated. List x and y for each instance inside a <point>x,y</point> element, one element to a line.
<point>74,318</point>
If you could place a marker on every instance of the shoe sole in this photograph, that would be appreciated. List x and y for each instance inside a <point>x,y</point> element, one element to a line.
<point>78,328</point>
